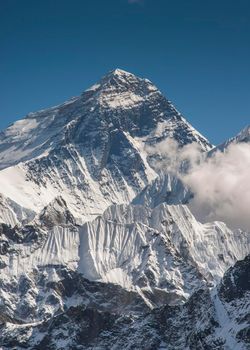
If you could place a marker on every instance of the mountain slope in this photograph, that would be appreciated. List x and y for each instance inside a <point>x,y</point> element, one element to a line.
<point>210,319</point>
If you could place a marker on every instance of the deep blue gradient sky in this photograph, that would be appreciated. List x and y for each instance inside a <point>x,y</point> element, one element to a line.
<point>197,52</point>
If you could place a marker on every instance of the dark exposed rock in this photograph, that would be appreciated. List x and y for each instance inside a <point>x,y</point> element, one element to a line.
<point>236,281</point>
<point>56,213</point>
<point>25,234</point>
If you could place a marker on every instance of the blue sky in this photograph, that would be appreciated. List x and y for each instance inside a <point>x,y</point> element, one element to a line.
<point>197,52</point>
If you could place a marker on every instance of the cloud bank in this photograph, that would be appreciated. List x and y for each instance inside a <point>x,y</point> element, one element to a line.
<point>220,183</point>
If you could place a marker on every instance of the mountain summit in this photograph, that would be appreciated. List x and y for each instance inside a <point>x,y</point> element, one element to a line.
<point>92,147</point>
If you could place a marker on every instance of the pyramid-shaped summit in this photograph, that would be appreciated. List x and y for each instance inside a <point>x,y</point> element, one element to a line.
<point>124,76</point>
<point>121,89</point>
<point>120,100</point>
<point>115,75</point>
<point>120,73</point>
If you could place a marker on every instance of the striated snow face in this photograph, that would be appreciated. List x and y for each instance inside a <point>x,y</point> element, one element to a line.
<point>130,243</point>
<point>58,247</point>
<point>162,250</point>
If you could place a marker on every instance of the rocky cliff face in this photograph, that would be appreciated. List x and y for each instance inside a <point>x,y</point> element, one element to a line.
<point>104,316</point>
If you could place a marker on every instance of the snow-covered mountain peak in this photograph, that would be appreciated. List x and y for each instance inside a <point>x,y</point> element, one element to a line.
<point>92,147</point>
<point>120,100</point>
<point>242,137</point>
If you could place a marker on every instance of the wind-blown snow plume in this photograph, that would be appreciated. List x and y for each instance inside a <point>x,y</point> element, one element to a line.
<point>220,183</point>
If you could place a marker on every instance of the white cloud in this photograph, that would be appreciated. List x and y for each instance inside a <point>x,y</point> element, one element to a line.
<point>220,183</point>
<point>170,157</point>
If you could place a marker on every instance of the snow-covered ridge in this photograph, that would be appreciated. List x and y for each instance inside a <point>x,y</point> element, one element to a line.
<point>242,136</point>
<point>128,237</point>
<point>139,248</point>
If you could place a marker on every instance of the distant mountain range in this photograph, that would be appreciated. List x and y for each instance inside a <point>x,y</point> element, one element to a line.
<point>98,246</point>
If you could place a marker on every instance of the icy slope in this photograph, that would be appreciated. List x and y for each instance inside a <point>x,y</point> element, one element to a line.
<point>35,135</point>
<point>166,188</point>
<point>91,149</point>
<point>12,213</point>
<point>162,248</point>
